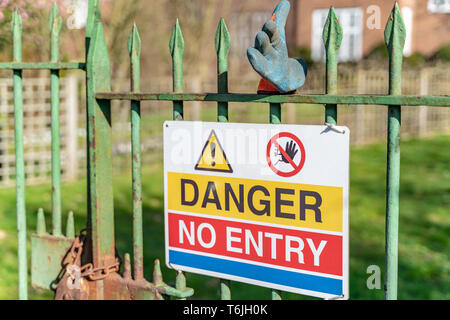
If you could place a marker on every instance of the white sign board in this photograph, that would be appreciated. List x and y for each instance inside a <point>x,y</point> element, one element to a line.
<point>258,203</point>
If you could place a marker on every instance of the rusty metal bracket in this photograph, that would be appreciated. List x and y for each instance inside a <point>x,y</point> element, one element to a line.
<point>79,282</point>
<point>49,253</point>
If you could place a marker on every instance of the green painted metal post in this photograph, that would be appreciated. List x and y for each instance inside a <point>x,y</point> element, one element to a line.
<point>332,38</point>
<point>395,35</point>
<point>93,16</point>
<point>99,131</point>
<point>55,24</point>
<point>275,113</point>
<point>16,27</point>
<point>176,46</point>
<point>275,118</point>
<point>222,43</point>
<point>134,49</point>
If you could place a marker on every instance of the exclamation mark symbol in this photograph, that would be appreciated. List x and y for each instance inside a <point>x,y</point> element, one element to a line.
<point>213,153</point>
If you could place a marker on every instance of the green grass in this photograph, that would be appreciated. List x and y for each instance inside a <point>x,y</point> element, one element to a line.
<point>424,223</point>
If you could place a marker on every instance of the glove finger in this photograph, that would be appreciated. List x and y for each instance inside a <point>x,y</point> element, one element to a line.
<point>281,12</point>
<point>262,43</point>
<point>271,29</point>
<point>258,62</point>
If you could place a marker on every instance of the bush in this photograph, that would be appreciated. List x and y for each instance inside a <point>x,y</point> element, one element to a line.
<point>379,52</point>
<point>415,60</point>
<point>302,53</point>
<point>443,53</point>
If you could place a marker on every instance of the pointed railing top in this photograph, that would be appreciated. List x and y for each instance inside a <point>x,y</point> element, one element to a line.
<point>222,40</point>
<point>176,44</point>
<point>332,31</point>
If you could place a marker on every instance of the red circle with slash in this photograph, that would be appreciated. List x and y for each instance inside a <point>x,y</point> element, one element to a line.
<point>295,167</point>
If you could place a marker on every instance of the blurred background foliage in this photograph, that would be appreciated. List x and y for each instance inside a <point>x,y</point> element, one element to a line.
<point>155,20</point>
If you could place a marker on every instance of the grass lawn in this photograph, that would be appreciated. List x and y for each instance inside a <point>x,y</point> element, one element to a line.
<point>424,223</point>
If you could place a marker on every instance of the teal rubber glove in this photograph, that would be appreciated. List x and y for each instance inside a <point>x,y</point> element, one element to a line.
<point>269,56</point>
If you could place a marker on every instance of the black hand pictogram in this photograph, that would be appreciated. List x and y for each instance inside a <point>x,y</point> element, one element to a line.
<point>291,150</point>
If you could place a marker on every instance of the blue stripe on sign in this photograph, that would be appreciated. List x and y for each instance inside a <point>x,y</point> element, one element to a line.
<point>256,272</point>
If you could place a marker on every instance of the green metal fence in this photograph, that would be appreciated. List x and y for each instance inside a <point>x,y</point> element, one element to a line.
<point>100,220</point>
<point>55,66</point>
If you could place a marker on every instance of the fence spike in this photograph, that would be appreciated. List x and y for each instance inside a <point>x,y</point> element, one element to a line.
<point>40,226</point>
<point>70,226</point>
<point>93,16</point>
<point>134,50</point>
<point>16,21</point>
<point>16,29</point>
<point>134,43</point>
<point>98,55</point>
<point>276,294</point>
<point>157,274</point>
<point>127,267</point>
<point>222,44</point>
<point>176,43</point>
<point>222,40</point>
<point>96,15</point>
<point>54,21</point>
<point>332,39</point>
<point>180,282</point>
<point>332,32</point>
<point>394,37</point>
<point>176,46</point>
<point>395,31</point>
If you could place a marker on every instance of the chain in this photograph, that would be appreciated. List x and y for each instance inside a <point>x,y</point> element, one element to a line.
<point>87,270</point>
<point>100,273</point>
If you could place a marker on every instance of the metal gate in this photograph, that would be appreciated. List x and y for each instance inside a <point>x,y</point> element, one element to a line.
<point>87,266</point>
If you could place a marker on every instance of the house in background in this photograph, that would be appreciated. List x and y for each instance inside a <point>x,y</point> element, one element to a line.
<point>427,23</point>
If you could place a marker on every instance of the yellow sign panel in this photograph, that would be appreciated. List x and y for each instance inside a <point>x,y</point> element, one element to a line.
<point>283,203</point>
<point>213,156</point>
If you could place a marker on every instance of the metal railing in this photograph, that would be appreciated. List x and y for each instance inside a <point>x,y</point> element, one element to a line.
<point>100,224</point>
<point>54,66</point>
<point>394,36</point>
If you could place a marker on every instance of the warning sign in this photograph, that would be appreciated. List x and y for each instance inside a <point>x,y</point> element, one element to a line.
<point>261,204</point>
<point>213,156</point>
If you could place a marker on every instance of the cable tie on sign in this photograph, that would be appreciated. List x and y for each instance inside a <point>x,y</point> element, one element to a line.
<point>334,128</point>
<point>171,265</point>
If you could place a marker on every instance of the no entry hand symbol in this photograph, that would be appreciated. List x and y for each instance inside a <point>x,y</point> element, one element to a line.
<point>287,155</point>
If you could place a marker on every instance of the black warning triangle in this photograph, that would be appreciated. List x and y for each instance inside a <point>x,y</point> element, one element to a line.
<point>213,156</point>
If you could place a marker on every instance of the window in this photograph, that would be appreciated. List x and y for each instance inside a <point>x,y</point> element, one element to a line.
<point>351,20</point>
<point>439,6</point>
<point>407,14</point>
